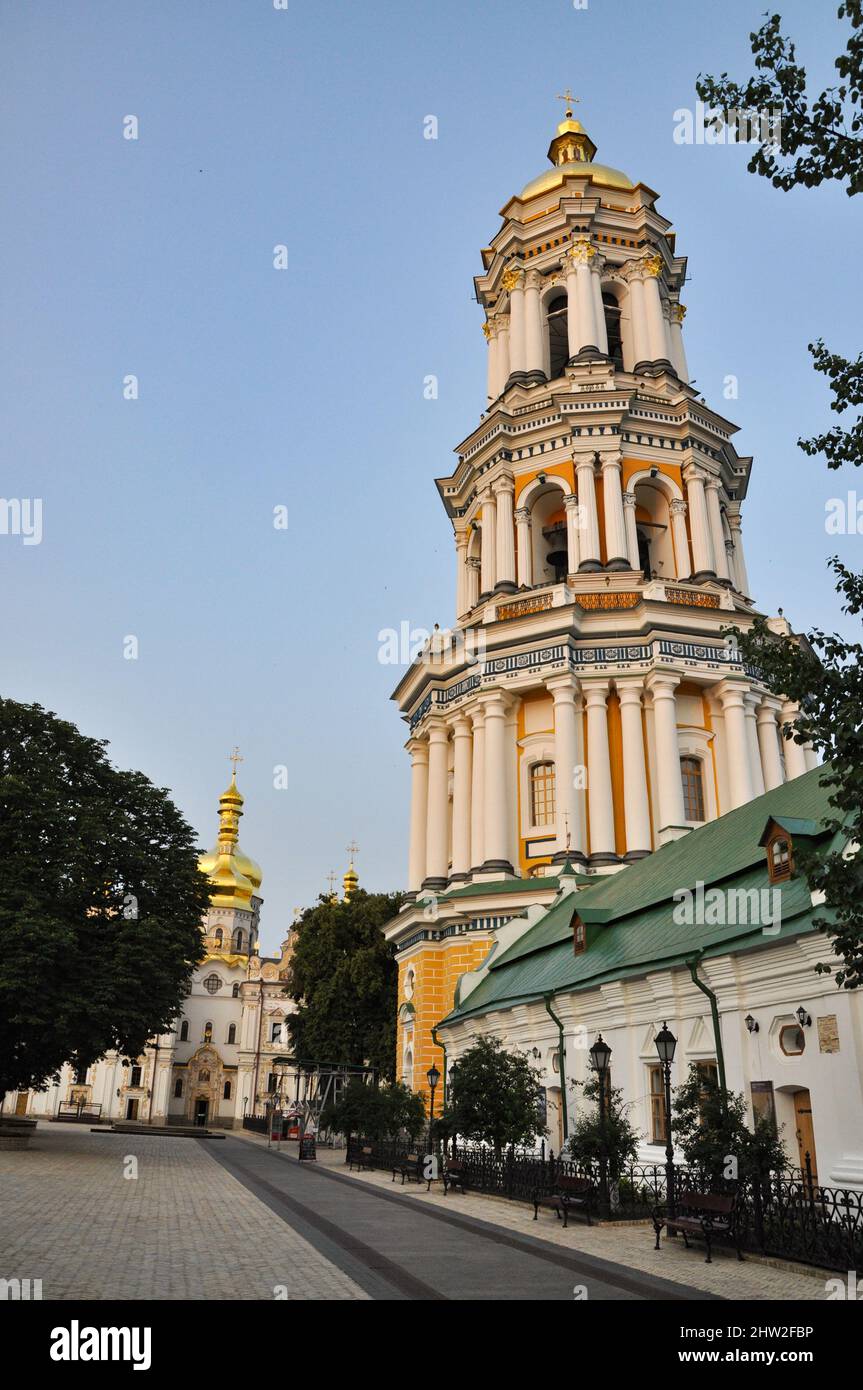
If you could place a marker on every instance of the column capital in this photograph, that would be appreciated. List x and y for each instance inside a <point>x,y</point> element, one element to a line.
<point>713,483</point>
<point>732,694</point>
<point>477,715</point>
<point>522,514</point>
<point>595,692</point>
<point>677,506</point>
<point>511,277</point>
<point>695,472</point>
<point>630,500</point>
<point>503,484</point>
<point>462,539</point>
<point>532,279</point>
<point>495,702</point>
<point>418,749</point>
<point>486,330</point>
<point>438,729</point>
<point>612,460</point>
<point>461,725</point>
<point>570,502</point>
<point>581,252</point>
<point>769,708</point>
<point>662,684</point>
<point>630,690</point>
<point>474,562</point>
<point>633,269</point>
<point>562,689</point>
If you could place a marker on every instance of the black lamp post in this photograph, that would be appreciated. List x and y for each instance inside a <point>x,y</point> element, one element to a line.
<point>666,1042</point>
<point>600,1057</point>
<point>432,1077</point>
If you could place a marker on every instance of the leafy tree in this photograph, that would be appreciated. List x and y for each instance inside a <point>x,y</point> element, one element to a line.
<point>614,1136</point>
<point>343,978</point>
<point>821,139</point>
<point>101,901</point>
<point>375,1112</point>
<point>709,1132</point>
<point>495,1096</point>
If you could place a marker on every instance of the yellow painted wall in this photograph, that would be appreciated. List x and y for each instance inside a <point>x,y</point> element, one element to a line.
<point>437,967</point>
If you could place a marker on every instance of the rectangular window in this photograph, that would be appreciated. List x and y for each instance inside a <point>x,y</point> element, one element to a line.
<point>763,1102</point>
<point>276,1035</point>
<point>693,788</point>
<point>657,1105</point>
<point>542,801</point>
<point>135,1077</point>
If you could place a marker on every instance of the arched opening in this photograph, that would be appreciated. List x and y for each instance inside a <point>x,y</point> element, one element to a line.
<point>238,943</point>
<point>653,527</point>
<point>232,1033</point>
<point>611,309</point>
<point>548,536</point>
<point>184,1030</point>
<point>558,335</point>
<point>218,937</point>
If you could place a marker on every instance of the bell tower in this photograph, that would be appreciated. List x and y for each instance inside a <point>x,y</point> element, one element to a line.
<point>585,705</point>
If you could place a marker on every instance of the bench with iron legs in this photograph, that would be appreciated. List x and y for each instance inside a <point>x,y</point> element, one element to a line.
<point>569,1194</point>
<point>361,1156</point>
<point>706,1215</point>
<point>455,1175</point>
<point>412,1167</point>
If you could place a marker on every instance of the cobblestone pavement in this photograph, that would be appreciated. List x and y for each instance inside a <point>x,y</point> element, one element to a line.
<point>629,1246</point>
<point>182,1229</point>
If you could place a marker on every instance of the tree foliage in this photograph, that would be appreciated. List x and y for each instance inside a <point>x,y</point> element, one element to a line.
<point>612,1137</point>
<point>709,1132</point>
<point>824,134</point>
<point>375,1112</point>
<point>343,978</point>
<point>820,135</point>
<point>101,901</point>
<point>495,1096</point>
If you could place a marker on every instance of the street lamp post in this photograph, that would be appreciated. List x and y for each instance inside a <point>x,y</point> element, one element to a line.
<point>666,1042</point>
<point>432,1077</point>
<point>600,1057</point>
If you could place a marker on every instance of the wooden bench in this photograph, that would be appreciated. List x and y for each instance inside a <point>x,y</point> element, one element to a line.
<point>706,1215</point>
<point>568,1193</point>
<point>455,1175</point>
<point>411,1167</point>
<point>361,1158</point>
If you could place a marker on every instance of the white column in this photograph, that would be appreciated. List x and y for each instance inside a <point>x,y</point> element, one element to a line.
<point>635,800</point>
<point>702,549</point>
<point>768,742</point>
<point>419,751</point>
<point>581,254</point>
<point>677,507</point>
<point>572,320</point>
<point>669,788</point>
<point>533,323</point>
<point>461,585</point>
<point>488,536</point>
<point>496,809</point>
<point>629,505</point>
<point>523,547</point>
<point>492,364</point>
<point>656,334</point>
<point>569,798</point>
<point>741,576</point>
<point>615,526</point>
<point>505,549</point>
<point>756,775</point>
<point>676,315</point>
<point>437,833</point>
<point>461,791</point>
<point>717,534</point>
<point>634,275</point>
<point>795,753</point>
<point>598,306</point>
<point>473,568</point>
<point>600,796</point>
<point>514,282</point>
<point>573,533</point>
<point>736,742</point>
<point>590,553</point>
<point>502,324</point>
<point>477,800</point>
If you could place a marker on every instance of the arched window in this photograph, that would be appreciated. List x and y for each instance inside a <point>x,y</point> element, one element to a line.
<point>208,1030</point>
<point>693,788</point>
<point>232,1033</point>
<point>611,309</point>
<point>235,992</point>
<point>184,1030</point>
<point>558,336</point>
<point>226,1093</point>
<point>241,936</point>
<point>218,937</point>
<point>542,794</point>
<point>780,864</point>
<point>178,1088</point>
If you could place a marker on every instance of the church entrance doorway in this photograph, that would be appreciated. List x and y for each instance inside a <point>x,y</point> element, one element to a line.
<point>21,1103</point>
<point>131,1110</point>
<point>201,1108</point>
<point>805,1131</point>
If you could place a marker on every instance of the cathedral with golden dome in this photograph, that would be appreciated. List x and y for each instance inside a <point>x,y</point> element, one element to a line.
<point>220,1061</point>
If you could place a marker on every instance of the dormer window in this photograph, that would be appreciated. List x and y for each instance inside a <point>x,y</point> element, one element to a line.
<point>579,936</point>
<point>780,858</point>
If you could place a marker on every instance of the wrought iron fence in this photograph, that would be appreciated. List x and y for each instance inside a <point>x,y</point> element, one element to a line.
<point>788,1216</point>
<point>256,1122</point>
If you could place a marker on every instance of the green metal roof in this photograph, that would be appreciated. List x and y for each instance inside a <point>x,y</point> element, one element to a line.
<point>637,906</point>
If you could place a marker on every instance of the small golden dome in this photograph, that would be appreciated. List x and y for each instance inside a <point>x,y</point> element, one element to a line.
<point>571,152</point>
<point>234,875</point>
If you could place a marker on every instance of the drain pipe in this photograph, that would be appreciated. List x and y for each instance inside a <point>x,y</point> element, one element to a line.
<point>717,1036</point>
<point>546,999</point>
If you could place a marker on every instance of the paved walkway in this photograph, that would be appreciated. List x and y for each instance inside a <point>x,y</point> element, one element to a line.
<point>630,1247</point>
<point>184,1228</point>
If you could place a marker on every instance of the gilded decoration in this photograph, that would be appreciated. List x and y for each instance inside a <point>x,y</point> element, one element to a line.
<point>608,600</point>
<point>694,600</point>
<point>524,605</point>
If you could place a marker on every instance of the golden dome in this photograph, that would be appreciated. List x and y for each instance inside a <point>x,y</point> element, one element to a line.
<point>234,875</point>
<point>571,152</point>
<point>350,882</point>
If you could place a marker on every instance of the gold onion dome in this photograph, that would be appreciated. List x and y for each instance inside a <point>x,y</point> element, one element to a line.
<point>350,882</point>
<point>571,152</point>
<point>234,875</point>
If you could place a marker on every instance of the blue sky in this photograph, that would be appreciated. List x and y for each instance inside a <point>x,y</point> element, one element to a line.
<point>304,387</point>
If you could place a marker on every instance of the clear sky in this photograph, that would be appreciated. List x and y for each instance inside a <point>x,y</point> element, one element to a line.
<point>303,388</point>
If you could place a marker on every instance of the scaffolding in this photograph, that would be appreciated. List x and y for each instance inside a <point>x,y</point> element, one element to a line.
<point>318,1083</point>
